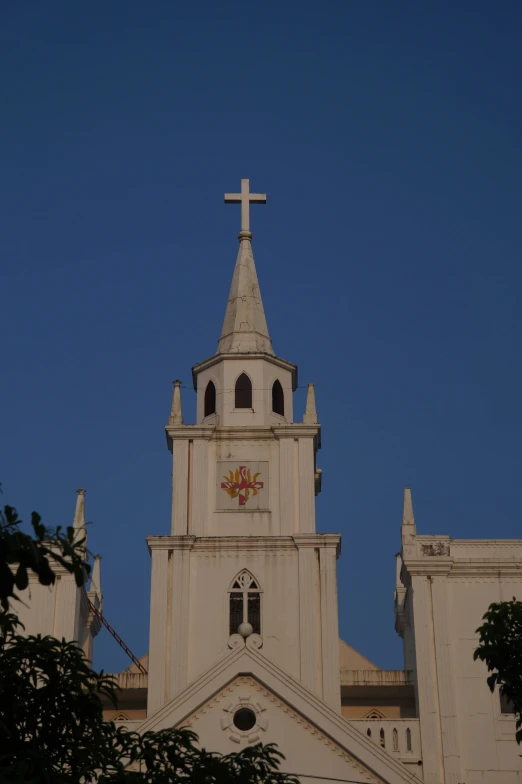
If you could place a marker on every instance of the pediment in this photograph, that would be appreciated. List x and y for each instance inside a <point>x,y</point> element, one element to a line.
<point>312,736</point>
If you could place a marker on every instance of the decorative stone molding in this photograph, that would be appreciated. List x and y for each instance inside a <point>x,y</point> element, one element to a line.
<point>235,641</point>
<point>437,548</point>
<point>254,641</point>
<point>252,735</point>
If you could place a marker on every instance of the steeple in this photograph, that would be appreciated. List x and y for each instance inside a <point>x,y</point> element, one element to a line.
<point>244,327</point>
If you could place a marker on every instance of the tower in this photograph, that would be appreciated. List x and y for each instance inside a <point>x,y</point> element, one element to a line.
<point>243,564</point>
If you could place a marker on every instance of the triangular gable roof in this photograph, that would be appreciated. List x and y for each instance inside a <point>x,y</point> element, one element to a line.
<point>350,659</point>
<point>247,661</point>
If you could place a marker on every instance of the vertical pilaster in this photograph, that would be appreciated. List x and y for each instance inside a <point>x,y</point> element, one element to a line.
<point>445,683</point>
<point>330,628</point>
<point>67,609</point>
<point>306,486</point>
<point>308,620</point>
<point>426,678</point>
<point>199,488</point>
<point>158,630</point>
<point>180,487</point>
<point>287,481</point>
<point>180,582</point>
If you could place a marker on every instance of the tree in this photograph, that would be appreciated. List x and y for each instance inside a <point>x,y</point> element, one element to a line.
<point>500,647</point>
<point>51,717</point>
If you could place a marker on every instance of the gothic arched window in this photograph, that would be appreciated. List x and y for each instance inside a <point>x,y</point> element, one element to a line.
<point>278,398</point>
<point>243,398</point>
<point>395,736</point>
<point>210,399</point>
<point>245,603</point>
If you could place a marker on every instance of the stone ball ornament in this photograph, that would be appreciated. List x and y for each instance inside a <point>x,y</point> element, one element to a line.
<point>245,629</point>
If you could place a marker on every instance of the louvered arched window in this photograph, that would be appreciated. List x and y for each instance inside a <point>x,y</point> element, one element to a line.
<point>243,396</point>
<point>245,603</point>
<point>210,399</point>
<point>278,398</point>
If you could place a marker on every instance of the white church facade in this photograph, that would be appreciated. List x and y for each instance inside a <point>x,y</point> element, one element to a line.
<point>244,644</point>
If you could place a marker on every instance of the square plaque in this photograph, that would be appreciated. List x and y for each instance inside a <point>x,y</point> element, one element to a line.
<point>242,485</point>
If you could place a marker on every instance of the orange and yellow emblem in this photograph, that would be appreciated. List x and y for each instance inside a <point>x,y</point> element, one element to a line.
<point>240,483</point>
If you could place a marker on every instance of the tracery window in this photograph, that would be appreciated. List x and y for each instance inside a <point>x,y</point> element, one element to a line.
<point>210,399</point>
<point>243,392</point>
<point>245,603</point>
<point>278,398</point>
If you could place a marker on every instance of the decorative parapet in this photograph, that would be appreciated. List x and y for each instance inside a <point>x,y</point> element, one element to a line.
<point>399,737</point>
<point>376,678</point>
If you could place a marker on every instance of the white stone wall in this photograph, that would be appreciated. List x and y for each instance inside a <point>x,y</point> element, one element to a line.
<point>449,586</point>
<point>189,626</point>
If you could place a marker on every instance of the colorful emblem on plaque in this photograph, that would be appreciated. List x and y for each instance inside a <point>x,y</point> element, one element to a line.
<point>241,483</point>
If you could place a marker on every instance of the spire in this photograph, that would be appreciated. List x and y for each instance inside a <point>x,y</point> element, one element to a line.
<point>176,415</point>
<point>79,515</point>
<point>310,414</point>
<point>244,327</point>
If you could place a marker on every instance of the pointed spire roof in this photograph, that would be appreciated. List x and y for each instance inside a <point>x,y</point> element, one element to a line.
<point>245,329</point>
<point>310,414</point>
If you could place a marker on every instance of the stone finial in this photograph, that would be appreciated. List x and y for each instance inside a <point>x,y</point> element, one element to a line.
<point>96,576</point>
<point>310,414</point>
<point>407,514</point>
<point>79,516</point>
<point>79,512</point>
<point>408,528</point>
<point>176,415</point>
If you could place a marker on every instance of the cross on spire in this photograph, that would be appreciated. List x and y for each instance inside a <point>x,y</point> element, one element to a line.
<point>245,198</point>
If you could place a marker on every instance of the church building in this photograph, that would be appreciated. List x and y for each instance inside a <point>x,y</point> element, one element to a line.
<point>244,644</point>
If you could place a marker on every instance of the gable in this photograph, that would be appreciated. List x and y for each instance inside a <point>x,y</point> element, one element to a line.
<point>307,750</point>
<point>306,729</point>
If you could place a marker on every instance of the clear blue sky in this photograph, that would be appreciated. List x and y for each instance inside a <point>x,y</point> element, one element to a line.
<point>388,136</point>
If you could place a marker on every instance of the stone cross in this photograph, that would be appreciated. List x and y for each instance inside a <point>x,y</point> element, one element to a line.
<point>245,198</point>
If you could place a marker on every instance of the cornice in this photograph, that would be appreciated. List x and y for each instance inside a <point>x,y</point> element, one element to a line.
<point>221,543</point>
<point>282,363</point>
<point>296,429</point>
<point>244,543</point>
<point>241,433</point>
<point>318,541</point>
<point>170,542</point>
<point>190,431</point>
<point>430,566</point>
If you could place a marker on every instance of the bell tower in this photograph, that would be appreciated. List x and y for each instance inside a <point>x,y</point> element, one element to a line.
<point>243,564</point>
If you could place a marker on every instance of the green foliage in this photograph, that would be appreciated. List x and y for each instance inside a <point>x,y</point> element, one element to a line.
<point>51,716</point>
<point>500,638</point>
<point>21,553</point>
